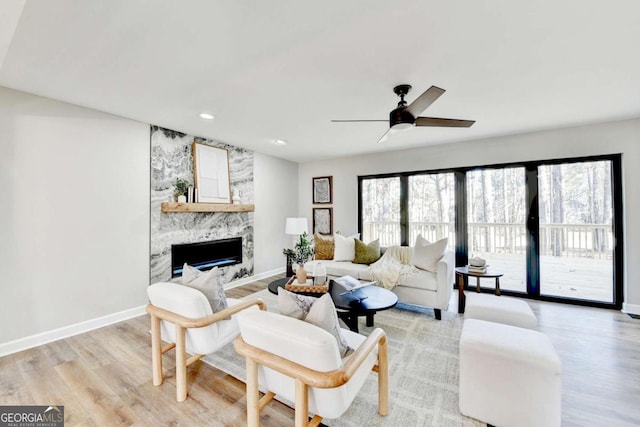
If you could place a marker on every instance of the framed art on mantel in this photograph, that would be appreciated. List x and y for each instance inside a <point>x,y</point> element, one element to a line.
<point>322,190</point>
<point>323,220</point>
<point>211,172</point>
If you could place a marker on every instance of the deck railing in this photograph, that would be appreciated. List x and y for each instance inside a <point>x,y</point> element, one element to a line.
<point>567,240</point>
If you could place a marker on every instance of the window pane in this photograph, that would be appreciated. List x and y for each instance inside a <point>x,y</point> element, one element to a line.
<point>576,231</point>
<point>432,208</point>
<point>496,223</point>
<point>381,210</point>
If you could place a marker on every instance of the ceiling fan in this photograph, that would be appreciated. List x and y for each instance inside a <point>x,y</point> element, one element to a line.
<point>406,116</point>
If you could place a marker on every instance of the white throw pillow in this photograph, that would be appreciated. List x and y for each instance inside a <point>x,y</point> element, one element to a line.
<point>207,282</point>
<point>426,255</point>
<point>345,247</point>
<point>320,312</point>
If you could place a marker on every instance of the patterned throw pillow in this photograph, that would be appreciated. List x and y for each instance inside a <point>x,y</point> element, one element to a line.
<point>318,311</point>
<point>367,253</point>
<point>207,282</point>
<point>324,246</point>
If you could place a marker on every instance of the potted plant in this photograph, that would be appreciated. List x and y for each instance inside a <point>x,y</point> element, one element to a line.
<point>180,188</point>
<point>301,253</point>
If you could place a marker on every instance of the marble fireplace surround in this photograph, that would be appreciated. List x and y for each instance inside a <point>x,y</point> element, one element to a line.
<point>171,158</point>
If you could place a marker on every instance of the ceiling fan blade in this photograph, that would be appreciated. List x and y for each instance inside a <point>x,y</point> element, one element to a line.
<point>446,123</point>
<point>386,135</point>
<point>427,98</point>
<point>351,121</point>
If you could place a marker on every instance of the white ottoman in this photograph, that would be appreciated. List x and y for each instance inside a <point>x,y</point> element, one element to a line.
<point>510,311</point>
<point>509,376</point>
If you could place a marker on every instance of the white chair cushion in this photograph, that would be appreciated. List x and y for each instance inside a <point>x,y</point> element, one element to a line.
<point>309,346</point>
<point>191,303</point>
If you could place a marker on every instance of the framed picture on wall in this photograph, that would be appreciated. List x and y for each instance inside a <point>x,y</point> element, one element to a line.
<point>211,172</point>
<point>323,220</point>
<point>322,190</point>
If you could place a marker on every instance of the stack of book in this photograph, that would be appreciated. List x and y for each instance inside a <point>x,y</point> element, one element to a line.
<point>477,269</point>
<point>477,265</point>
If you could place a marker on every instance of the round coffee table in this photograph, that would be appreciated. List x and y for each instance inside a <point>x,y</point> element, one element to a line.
<point>365,301</point>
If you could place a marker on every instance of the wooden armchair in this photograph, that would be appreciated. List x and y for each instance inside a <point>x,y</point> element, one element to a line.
<point>182,316</point>
<point>301,362</point>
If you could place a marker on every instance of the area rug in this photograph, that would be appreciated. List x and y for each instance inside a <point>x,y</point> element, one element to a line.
<point>423,370</point>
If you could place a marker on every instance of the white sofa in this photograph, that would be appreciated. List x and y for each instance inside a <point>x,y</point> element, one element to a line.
<point>423,288</point>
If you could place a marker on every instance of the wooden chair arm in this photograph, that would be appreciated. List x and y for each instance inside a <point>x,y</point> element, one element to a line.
<point>375,339</point>
<point>309,376</point>
<point>201,322</point>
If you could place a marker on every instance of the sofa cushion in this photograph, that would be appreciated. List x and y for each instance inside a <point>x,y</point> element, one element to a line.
<point>324,247</point>
<point>343,268</point>
<point>421,280</point>
<point>366,253</point>
<point>426,255</point>
<point>345,247</point>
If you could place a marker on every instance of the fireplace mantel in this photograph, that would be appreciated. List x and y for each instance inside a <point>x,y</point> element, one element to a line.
<point>205,207</point>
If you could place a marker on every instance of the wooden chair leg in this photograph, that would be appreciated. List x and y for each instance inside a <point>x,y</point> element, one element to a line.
<point>253,408</point>
<point>383,378</point>
<point>302,404</point>
<point>156,350</point>
<point>181,364</point>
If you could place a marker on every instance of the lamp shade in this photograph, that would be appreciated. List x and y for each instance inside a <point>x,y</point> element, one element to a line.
<point>296,226</point>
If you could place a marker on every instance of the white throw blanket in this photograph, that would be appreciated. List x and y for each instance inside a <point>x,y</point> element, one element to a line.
<point>393,266</point>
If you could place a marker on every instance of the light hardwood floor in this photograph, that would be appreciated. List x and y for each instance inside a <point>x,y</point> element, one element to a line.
<point>103,377</point>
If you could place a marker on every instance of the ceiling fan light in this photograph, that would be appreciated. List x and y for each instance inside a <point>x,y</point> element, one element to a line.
<point>400,119</point>
<point>402,126</point>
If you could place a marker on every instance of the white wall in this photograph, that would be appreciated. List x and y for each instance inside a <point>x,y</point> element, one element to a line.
<point>276,198</point>
<point>615,137</point>
<point>74,216</point>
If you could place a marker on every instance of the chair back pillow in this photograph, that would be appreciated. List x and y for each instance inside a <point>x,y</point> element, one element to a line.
<point>207,282</point>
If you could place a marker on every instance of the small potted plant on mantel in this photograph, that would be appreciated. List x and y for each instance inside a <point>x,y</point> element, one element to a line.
<point>180,189</point>
<point>301,253</point>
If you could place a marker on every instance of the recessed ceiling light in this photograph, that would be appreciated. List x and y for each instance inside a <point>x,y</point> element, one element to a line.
<point>279,142</point>
<point>207,116</point>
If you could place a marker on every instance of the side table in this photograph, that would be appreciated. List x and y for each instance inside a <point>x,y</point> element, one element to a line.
<point>462,276</point>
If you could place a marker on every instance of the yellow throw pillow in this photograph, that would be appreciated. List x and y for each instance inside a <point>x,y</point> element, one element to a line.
<point>324,246</point>
<point>367,253</point>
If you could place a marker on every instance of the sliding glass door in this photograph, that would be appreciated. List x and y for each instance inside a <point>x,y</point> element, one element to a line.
<point>576,230</point>
<point>553,228</point>
<point>496,223</point>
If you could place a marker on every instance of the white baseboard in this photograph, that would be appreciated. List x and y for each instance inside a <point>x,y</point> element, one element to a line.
<point>631,308</point>
<point>89,325</point>
<point>253,278</point>
<point>67,331</point>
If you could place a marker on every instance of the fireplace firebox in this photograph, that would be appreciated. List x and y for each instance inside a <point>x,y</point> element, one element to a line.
<point>206,255</point>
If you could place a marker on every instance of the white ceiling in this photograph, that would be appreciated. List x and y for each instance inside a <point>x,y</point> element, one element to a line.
<point>284,69</point>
